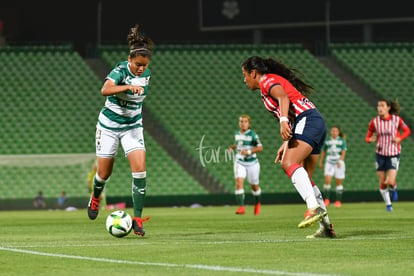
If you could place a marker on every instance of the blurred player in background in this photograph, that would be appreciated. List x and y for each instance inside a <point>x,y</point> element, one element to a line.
<point>120,121</point>
<point>302,128</point>
<point>334,149</point>
<point>39,201</point>
<point>385,129</point>
<point>246,164</point>
<point>61,201</point>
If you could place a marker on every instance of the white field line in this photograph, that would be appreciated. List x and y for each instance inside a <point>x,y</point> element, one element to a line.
<point>186,266</point>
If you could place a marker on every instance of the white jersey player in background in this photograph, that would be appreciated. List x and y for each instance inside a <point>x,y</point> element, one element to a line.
<point>246,164</point>
<point>334,149</point>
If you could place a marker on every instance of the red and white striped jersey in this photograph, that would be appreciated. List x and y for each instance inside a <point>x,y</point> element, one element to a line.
<point>298,102</point>
<point>386,129</point>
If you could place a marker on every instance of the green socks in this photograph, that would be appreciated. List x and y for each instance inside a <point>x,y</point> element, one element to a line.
<point>138,192</point>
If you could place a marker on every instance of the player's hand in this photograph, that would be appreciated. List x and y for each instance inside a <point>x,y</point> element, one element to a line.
<point>373,139</point>
<point>279,155</point>
<point>285,131</point>
<point>136,89</point>
<point>396,140</point>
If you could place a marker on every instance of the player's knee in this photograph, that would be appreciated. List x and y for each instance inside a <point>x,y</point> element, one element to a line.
<point>289,170</point>
<point>102,178</point>
<point>103,174</point>
<point>257,192</point>
<point>383,186</point>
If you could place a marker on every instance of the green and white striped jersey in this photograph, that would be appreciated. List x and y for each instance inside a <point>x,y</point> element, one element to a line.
<point>245,141</point>
<point>123,111</point>
<point>334,148</point>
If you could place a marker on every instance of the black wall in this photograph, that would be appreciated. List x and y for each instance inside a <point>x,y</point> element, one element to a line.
<point>178,21</point>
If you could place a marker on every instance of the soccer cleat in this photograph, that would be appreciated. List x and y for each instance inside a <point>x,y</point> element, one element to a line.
<point>327,202</point>
<point>257,209</point>
<point>311,216</point>
<point>394,194</point>
<point>338,204</point>
<point>137,225</point>
<point>240,211</point>
<point>389,208</point>
<point>323,233</point>
<point>93,207</point>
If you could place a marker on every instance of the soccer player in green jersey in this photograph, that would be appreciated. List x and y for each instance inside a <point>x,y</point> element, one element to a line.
<point>334,149</point>
<point>120,122</point>
<point>246,164</point>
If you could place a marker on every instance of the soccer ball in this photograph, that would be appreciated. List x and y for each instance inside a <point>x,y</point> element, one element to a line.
<point>119,223</point>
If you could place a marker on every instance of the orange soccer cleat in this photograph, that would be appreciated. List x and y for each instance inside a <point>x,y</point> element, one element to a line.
<point>257,209</point>
<point>240,211</point>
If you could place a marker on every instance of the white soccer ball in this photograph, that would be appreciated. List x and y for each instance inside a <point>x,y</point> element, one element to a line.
<point>119,223</point>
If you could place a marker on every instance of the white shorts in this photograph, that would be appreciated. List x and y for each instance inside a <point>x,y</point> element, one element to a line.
<point>252,171</point>
<point>107,141</point>
<point>333,170</point>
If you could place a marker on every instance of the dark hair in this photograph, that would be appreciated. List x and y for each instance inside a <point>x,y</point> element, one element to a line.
<point>139,45</point>
<point>341,134</point>
<point>395,106</point>
<point>272,66</point>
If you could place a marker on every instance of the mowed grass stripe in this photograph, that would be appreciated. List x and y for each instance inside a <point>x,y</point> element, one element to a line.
<point>193,241</point>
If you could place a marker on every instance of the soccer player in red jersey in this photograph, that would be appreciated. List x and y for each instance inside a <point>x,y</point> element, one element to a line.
<point>385,129</point>
<point>302,128</point>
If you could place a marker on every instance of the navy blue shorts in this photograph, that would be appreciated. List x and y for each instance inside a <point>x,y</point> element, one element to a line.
<point>310,128</point>
<point>385,163</point>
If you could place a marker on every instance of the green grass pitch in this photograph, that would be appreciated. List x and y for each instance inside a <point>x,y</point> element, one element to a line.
<point>211,241</point>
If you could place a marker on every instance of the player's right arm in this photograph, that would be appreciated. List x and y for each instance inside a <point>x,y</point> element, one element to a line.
<point>110,88</point>
<point>278,93</point>
<point>370,137</point>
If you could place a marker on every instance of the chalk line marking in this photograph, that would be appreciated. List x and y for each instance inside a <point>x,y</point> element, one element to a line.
<point>190,266</point>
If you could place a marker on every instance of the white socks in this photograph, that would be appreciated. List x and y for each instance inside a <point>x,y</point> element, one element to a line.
<point>300,180</point>
<point>385,196</point>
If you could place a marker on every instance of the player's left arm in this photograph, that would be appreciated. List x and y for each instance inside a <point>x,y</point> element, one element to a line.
<point>343,151</point>
<point>405,132</point>
<point>342,158</point>
<point>258,147</point>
